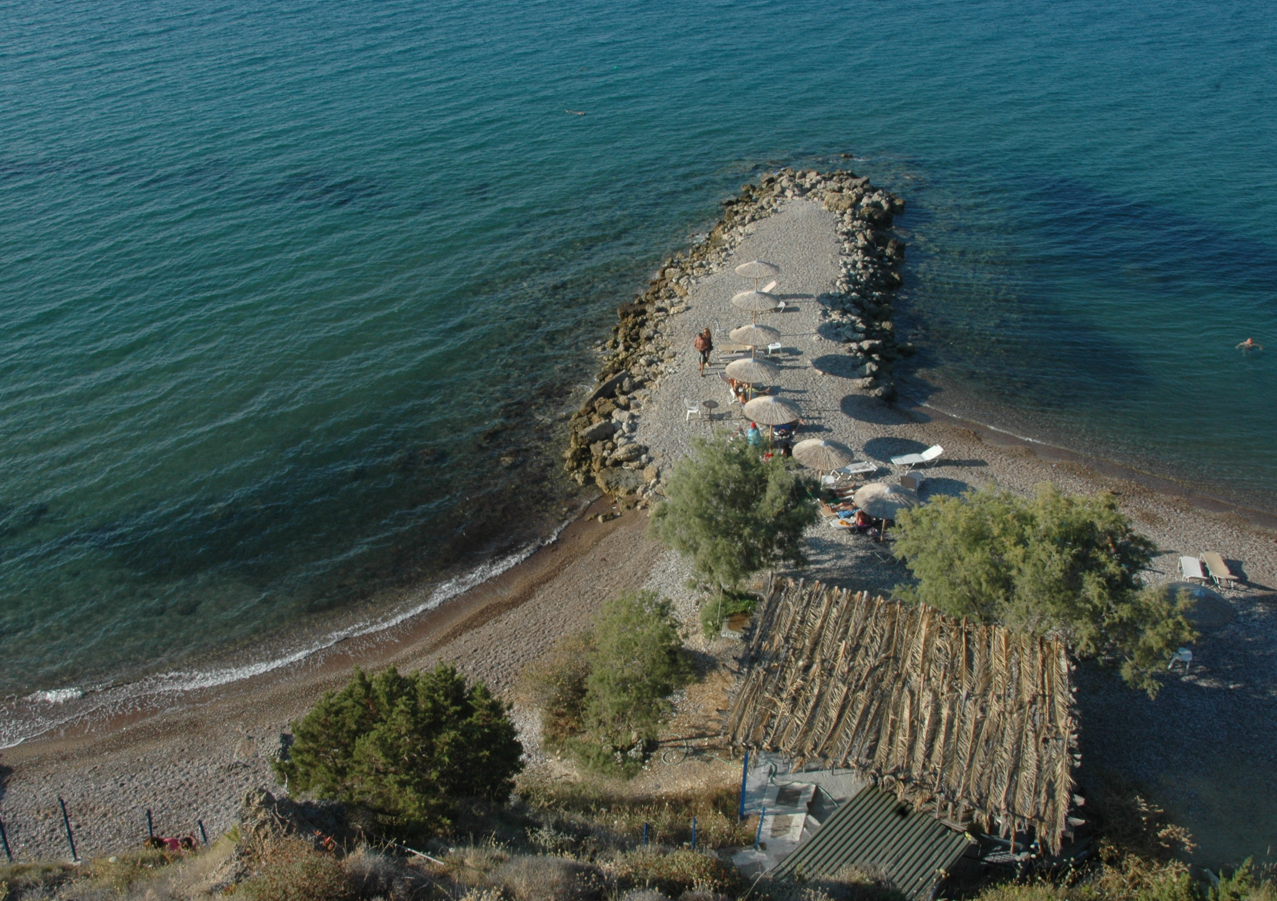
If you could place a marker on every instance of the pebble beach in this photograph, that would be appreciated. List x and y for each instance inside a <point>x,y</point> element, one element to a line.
<point>1206,748</point>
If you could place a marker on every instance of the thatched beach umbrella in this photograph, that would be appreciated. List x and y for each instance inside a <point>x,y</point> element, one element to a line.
<point>757,270</point>
<point>817,453</point>
<point>755,302</point>
<point>752,372</point>
<point>883,501</point>
<point>771,412</point>
<point>755,336</point>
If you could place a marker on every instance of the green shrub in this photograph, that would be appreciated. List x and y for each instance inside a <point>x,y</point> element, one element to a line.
<point>408,748</point>
<point>638,660</point>
<point>733,512</point>
<point>1049,564</point>
<point>557,686</point>
<point>717,610</point>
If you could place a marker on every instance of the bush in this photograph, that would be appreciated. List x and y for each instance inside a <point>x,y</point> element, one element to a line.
<point>408,748</point>
<point>674,872</point>
<point>290,869</point>
<point>718,610</point>
<point>557,686</point>
<point>734,513</point>
<point>1049,564</point>
<point>637,662</point>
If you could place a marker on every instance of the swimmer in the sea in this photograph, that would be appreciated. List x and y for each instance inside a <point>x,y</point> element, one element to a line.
<point>1250,344</point>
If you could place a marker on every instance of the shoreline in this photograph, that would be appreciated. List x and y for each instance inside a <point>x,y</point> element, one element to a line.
<point>198,756</point>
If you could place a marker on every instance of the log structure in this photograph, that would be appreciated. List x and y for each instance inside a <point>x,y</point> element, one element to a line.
<point>972,722</point>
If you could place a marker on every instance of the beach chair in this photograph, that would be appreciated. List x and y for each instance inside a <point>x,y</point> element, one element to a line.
<point>693,409</point>
<point>859,468</point>
<point>1218,569</point>
<point>1184,656</point>
<point>773,347</point>
<point>912,482</point>
<point>909,461</point>
<point>1191,569</point>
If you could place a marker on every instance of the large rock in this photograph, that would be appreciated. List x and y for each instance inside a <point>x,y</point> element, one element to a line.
<point>598,432</point>
<point>628,452</point>
<point>619,482</point>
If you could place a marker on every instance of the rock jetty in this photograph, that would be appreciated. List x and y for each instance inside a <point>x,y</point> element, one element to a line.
<point>857,314</point>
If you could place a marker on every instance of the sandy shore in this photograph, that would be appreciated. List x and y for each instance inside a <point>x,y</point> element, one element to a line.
<point>1206,748</point>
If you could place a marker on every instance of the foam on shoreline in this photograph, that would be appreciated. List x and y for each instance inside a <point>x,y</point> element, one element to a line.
<point>47,710</point>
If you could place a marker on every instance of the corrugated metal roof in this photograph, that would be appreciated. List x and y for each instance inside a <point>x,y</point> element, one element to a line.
<point>874,828</point>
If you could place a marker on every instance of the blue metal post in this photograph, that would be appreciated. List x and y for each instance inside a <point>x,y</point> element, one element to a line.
<point>66,821</point>
<point>150,824</point>
<point>645,834</point>
<point>693,833</point>
<point>744,775</point>
<point>758,835</point>
<point>5,840</point>
<point>203,834</point>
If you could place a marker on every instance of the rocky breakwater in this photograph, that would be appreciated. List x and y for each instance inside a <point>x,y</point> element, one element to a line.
<point>601,445</point>
<point>859,313</point>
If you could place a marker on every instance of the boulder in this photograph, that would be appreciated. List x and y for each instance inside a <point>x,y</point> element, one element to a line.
<point>628,453</point>
<point>619,482</point>
<point>598,432</point>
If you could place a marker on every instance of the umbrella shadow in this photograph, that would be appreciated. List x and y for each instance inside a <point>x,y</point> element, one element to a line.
<point>942,487</point>
<point>872,409</point>
<point>843,366</point>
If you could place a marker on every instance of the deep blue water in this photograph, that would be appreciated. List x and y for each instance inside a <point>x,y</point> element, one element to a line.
<point>292,293</point>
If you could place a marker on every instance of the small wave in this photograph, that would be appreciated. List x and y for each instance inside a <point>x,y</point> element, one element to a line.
<point>32,719</point>
<point>56,696</point>
<point>981,424</point>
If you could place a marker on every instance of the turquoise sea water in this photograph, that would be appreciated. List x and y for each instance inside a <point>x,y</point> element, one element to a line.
<point>291,294</point>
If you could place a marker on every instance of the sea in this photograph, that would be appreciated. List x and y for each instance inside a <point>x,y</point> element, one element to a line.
<point>295,296</point>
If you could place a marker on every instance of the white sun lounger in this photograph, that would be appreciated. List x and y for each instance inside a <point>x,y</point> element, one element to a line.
<point>909,461</point>
<point>863,467</point>
<point>1191,569</point>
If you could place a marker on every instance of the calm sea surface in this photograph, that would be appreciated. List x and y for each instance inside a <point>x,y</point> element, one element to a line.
<point>292,294</point>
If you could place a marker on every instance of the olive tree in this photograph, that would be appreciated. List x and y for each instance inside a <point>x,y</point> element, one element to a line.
<point>733,512</point>
<point>1050,565</point>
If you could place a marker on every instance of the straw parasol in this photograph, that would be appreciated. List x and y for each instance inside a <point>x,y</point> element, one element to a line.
<point>754,335</point>
<point>884,501</point>
<point>757,270</point>
<point>755,302</point>
<point>772,410</point>
<point>751,372</point>
<point>817,453</point>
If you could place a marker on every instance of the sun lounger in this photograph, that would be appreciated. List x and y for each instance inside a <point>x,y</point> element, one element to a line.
<point>1219,571</point>
<point>1191,569</point>
<point>909,461</point>
<point>863,467</point>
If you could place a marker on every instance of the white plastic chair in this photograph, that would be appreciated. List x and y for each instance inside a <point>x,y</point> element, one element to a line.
<point>1184,656</point>
<point>693,409</point>
<point>773,347</point>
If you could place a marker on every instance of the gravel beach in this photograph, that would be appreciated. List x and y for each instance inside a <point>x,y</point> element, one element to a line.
<point>1206,748</point>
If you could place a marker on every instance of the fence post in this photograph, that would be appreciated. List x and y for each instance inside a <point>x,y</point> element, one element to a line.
<point>66,822</point>
<point>645,834</point>
<point>758,835</point>
<point>693,833</point>
<point>744,775</point>
<point>150,824</point>
<point>203,834</point>
<point>4,838</point>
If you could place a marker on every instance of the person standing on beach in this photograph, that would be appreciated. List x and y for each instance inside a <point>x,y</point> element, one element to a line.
<point>704,343</point>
